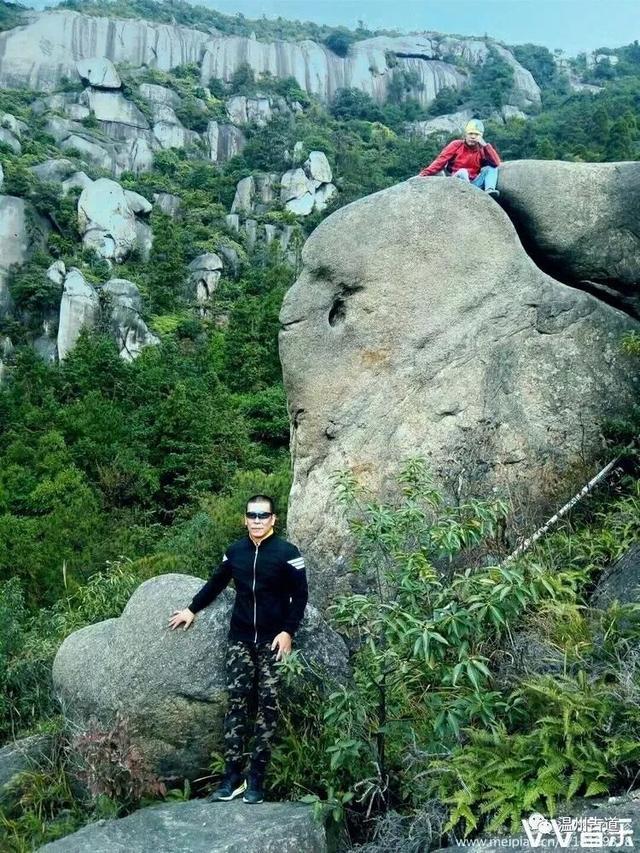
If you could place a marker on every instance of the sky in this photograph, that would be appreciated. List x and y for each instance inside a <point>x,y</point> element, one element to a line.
<point>570,25</point>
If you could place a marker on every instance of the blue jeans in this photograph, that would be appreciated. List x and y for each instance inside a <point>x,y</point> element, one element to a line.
<point>486,180</point>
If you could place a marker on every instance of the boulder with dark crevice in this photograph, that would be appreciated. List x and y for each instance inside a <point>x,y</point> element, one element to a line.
<point>580,222</point>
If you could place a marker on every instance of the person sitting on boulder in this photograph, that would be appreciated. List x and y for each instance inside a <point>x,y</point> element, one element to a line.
<point>271,596</point>
<point>470,159</point>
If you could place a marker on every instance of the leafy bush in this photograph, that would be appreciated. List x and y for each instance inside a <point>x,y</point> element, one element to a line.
<point>339,41</point>
<point>579,740</point>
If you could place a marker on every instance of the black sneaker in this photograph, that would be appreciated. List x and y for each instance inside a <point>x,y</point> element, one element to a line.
<point>232,786</point>
<point>493,193</point>
<point>255,792</point>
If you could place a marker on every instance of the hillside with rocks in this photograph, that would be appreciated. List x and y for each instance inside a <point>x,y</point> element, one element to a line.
<point>220,276</point>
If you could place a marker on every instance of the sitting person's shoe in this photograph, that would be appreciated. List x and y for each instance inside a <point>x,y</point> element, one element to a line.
<point>255,792</point>
<point>493,193</point>
<point>232,786</point>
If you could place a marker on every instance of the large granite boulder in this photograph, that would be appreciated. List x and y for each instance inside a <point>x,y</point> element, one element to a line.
<point>258,110</point>
<point>168,204</point>
<point>137,155</point>
<point>169,685</point>
<point>579,221</point>
<point>204,275</point>
<point>130,331</point>
<point>317,167</point>
<point>97,153</point>
<point>78,180</point>
<point>309,187</point>
<point>201,827</point>
<point>295,184</point>
<point>163,102</point>
<point>420,327</point>
<point>11,140</point>
<point>53,170</point>
<point>106,220</point>
<point>79,309</point>
<point>224,141</point>
<point>99,71</point>
<point>19,756</point>
<point>109,106</point>
<point>323,196</point>
<point>243,199</point>
<point>172,135</point>
<point>451,123</point>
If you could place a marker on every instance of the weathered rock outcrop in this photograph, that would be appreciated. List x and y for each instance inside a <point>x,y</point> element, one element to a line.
<point>580,221</point>
<point>10,139</point>
<point>100,72</point>
<point>6,352</point>
<point>257,109</point>
<point>419,326</point>
<point>21,755</point>
<point>109,106</point>
<point>170,686</point>
<point>224,141</point>
<point>39,54</point>
<point>79,309</point>
<point>21,232</point>
<point>201,827</point>
<point>107,220</point>
<point>204,275</point>
<point>321,72</point>
<point>127,326</point>
<point>168,204</point>
<point>302,190</point>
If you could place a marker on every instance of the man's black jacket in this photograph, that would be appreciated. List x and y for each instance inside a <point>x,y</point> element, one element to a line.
<point>271,588</point>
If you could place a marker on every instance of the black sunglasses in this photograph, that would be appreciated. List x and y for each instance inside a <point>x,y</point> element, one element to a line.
<point>260,515</point>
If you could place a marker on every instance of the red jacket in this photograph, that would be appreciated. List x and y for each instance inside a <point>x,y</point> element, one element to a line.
<point>458,155</point>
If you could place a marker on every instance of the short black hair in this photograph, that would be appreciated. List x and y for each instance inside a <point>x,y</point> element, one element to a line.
<point>263,499</point>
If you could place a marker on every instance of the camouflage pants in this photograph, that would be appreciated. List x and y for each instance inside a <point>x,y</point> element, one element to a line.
<point>251,674</point>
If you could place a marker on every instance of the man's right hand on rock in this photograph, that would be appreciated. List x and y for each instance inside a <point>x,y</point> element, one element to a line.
<point>181,616</point>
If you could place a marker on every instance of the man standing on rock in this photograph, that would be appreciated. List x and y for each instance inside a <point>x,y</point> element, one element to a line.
<point>470,159</point>
<point>271,595</point>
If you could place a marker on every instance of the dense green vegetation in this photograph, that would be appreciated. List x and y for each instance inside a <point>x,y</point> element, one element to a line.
<point>578,125</point>
<point>10,15</point>
<point>113,472</point>
<point>437,711</point>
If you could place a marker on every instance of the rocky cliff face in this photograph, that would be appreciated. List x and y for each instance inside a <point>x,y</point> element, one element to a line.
<point>39,54</point>
<point>420,327</point>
